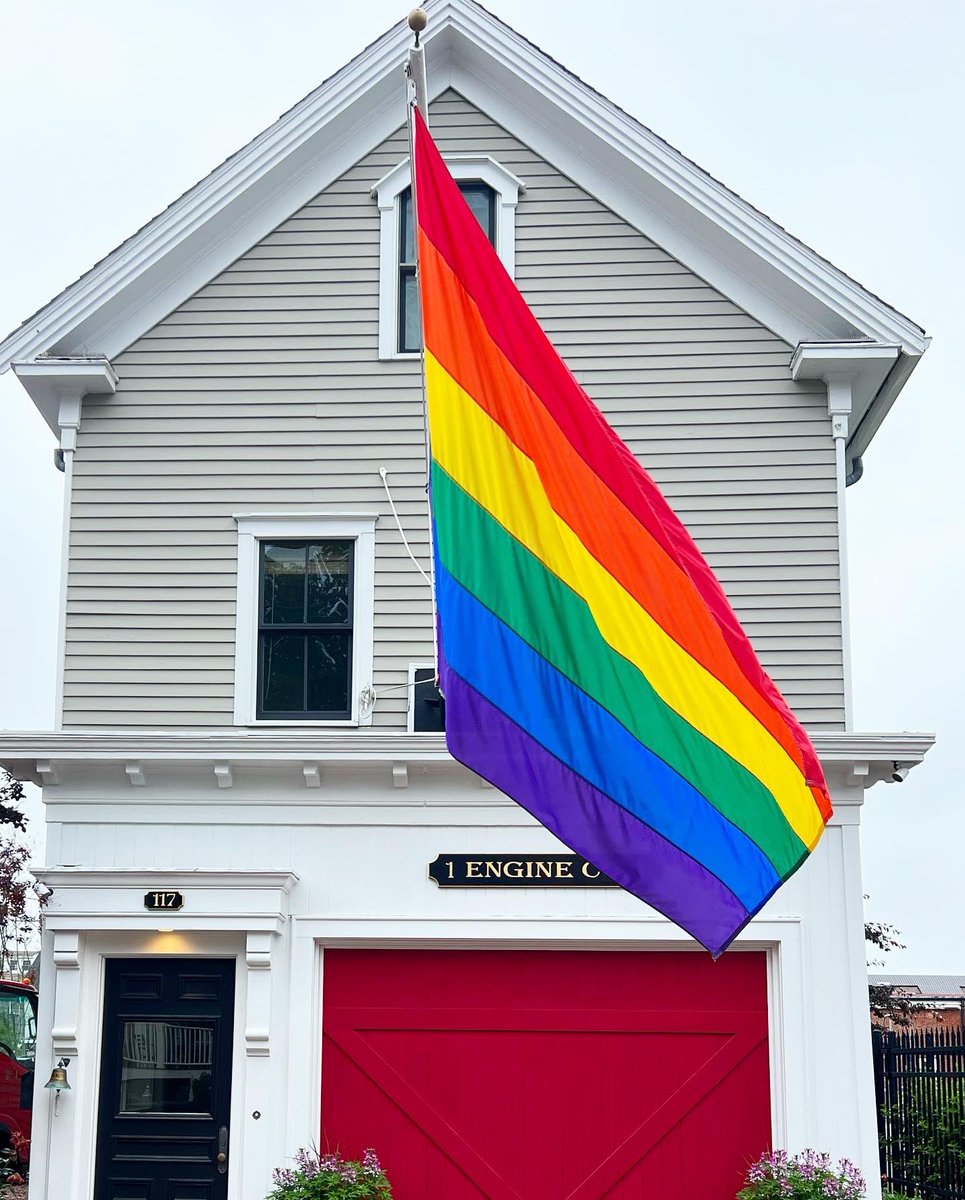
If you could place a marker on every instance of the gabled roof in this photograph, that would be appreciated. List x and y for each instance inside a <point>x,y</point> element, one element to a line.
<point>742,253</point>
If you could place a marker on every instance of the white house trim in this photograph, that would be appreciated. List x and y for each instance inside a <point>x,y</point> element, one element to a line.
<point>848,758</point>
<point>867,372</point>
<point>58,384</point>
<point>386,193</point>
<point>254,528</point>
<point>735,248</point>
<point>240,915</point>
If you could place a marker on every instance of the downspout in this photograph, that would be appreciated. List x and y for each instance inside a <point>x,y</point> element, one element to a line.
<point>69,421</point>
<point>839,409</point>
<point>857,464</point>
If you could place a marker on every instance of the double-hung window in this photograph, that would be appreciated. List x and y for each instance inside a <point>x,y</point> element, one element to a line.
<point>305,614</point>
<point>492,193</point>
<point>305,630</point>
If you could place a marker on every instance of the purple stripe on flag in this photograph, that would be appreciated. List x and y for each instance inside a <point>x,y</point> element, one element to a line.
<point>483,738</point>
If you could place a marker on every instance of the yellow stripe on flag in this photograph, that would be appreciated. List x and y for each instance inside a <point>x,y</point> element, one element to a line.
<point>475,451</point>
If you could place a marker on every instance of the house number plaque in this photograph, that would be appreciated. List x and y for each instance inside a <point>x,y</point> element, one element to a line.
<point>163,901</point>
<point>516,870</point>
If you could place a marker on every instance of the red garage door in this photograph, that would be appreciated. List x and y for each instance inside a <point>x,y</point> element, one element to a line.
<point>547,1075</point>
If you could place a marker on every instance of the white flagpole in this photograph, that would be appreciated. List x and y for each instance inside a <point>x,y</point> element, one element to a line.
<point>418,98</point>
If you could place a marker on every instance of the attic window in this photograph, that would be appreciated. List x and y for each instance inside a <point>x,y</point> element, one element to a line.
<point>492,192</point>
<point>482,200</point>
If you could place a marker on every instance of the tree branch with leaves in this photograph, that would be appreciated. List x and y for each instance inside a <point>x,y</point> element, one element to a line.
<point>21,896</point>
<point>885,1004</point>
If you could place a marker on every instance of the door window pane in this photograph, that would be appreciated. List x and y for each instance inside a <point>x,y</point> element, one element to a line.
<point>166,1067</point>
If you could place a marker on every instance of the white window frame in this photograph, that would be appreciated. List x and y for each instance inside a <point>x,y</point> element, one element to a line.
<point>506,187</point>
<point>255,528</point>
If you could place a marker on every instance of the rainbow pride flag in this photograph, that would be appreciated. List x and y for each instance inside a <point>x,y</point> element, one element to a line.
<point>592,666</point>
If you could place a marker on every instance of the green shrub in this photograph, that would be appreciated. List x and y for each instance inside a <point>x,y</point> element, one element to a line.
<point>330,1177</point>
<point>927,1143</point>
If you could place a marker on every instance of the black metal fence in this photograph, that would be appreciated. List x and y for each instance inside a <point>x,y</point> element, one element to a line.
<point>920,1088</point>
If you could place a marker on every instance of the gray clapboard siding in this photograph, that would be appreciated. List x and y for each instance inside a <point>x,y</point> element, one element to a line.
<point>264,392</point>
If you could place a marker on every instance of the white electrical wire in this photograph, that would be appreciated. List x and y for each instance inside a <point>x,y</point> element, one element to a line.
<point>405,540</point>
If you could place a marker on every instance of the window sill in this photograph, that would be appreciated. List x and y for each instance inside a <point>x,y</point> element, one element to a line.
<point>344,723</point>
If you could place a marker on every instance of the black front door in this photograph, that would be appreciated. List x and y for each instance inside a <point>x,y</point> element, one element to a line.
<point>165,1095</point>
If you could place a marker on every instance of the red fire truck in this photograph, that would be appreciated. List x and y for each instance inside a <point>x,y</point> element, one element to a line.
<point>18,1040</point>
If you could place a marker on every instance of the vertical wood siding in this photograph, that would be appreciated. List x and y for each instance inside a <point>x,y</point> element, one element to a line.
<point>264,393</point>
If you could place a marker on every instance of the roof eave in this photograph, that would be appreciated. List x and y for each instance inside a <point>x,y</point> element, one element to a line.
<point>739,251</point>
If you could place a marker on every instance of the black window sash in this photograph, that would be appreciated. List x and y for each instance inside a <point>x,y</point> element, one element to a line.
<point>305,629</point>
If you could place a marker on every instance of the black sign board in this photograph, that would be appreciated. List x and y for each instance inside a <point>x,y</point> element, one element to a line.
<point>516,870</point>
<point>163,901</point>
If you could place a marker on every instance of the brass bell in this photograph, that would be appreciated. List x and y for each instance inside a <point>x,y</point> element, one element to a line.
<point>58,1077</point>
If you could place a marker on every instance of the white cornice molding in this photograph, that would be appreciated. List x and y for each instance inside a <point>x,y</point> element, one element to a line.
<point>738,250</point>
<point>863,366</point>
<point>149,877</point>
<point>57,385</point>
<point>844,360</point>
<point>850,759</point>
<point>484,166</point>
<point>252,902</point>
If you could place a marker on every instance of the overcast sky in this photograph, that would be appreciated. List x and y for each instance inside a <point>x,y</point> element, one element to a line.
<point>841,119</point>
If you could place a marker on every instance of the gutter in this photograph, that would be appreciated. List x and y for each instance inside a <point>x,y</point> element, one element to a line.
<point>876,412</point>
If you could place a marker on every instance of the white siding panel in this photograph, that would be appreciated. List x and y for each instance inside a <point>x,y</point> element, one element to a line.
<point>264,392</point>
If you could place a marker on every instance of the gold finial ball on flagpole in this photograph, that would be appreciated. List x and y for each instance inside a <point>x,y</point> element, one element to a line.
<point>418,20</point>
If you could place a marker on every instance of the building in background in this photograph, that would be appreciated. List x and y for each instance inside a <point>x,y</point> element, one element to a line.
<point>281,913</point>
<point>932,1000</point>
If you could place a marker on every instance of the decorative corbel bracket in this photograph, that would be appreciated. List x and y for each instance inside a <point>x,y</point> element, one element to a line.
<point>57,384</point>
<point>258,961</point>
<point>854,372</point>
<point>47,772</point>
<point>66,958</point>
<point>135,773</point>
<point>223,775</point>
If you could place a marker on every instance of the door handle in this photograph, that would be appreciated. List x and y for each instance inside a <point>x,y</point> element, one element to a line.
<point>222,1156</point>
